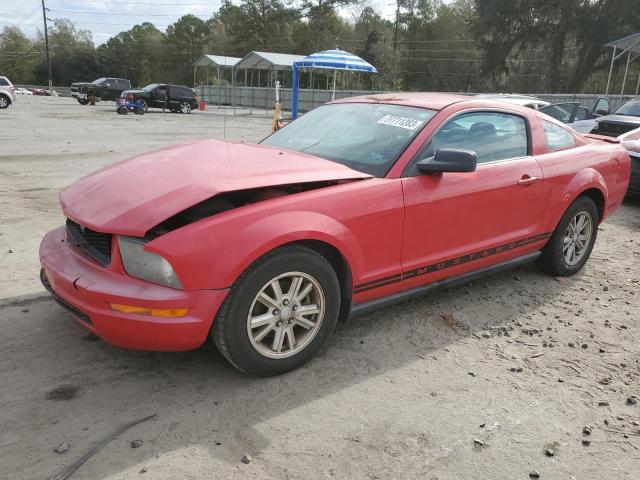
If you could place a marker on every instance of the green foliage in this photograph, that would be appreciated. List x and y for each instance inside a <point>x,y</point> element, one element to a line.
<point>458,45</point>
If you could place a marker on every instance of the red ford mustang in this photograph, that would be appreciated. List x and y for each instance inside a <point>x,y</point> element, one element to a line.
<point>357,204</point>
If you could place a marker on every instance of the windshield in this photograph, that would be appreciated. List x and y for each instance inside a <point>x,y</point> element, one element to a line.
<point>629,108</point>
<point>150,87</point>
<point>364,136</point>
<point>560,112</point>
<point>99,81</point>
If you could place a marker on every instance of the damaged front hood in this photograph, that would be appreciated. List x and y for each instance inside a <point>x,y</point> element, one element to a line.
<point>133,196</point>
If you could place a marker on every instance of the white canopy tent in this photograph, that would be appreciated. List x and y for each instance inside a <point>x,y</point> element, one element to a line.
<point>630,46</point>
<point>219,62</point>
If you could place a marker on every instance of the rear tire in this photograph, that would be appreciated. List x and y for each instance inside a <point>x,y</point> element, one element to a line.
<point>572,241</point>
<point>185,107</point>
<point>4,102</point>
<point>310,315</point>
<point>83,101</point>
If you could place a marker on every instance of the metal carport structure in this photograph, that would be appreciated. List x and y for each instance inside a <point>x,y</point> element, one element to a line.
<point>271,62</point>
<point>631,46</point>
<point>219,62</point>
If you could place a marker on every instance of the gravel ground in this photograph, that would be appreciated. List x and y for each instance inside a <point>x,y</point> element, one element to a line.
<point>493,380</point>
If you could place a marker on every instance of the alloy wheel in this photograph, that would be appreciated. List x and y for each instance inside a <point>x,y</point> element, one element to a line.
<point>185,107</point>
<point>4,103</point>
<point>577,237</point>
<point>286,315</point>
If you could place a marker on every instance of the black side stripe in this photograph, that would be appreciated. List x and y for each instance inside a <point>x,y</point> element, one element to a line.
<point>452,262</point>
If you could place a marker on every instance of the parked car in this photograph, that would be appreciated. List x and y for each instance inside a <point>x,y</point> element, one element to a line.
<point>573,114</point>
<point>523,100</point>
<point>44,92</point>
<point>354,206</point>
<point>105,88</point>
<point>624,119</point>
<point>177,98</point>
<point>23,91</point>
<point>7,93</point>
<point>631,141</point>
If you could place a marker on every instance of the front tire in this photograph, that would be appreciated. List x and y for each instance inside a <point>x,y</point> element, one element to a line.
<point>83,101</point>
<point>279,313</point>
<point>572,241</point>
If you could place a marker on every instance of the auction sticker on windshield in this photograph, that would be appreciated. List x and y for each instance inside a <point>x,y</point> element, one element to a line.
<point>400,122</point>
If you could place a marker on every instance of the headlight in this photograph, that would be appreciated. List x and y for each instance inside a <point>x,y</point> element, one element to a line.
<point>146,265</point>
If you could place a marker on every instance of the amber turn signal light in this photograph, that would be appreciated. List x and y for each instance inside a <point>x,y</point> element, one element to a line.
<point>154,312</point>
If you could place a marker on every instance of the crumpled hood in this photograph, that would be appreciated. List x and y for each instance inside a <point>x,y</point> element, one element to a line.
<point>135,195</point>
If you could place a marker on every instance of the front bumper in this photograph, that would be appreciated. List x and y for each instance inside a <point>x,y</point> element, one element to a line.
<point>86,289</point>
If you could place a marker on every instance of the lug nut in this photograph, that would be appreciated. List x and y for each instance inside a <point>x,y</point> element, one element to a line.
<point>279,324</point>
<point>285,302</point>
<point>276,312</point>
<point>295,307</point>
<point>290,321</point>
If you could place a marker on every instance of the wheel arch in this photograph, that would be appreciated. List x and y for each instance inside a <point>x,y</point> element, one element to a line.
<point>340,265</point>
<point>598,198</point>
<point>587,182</point>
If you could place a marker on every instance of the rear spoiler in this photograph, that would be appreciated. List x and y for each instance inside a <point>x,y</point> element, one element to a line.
<point>602,138</point>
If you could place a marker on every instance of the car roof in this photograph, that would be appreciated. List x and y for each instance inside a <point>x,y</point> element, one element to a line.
<point>437,101</point>
<point>514,99</point>
<point>431,101</point>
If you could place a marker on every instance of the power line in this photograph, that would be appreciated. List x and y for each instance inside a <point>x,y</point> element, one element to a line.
<point>90,12</point>
<point>150,4</point>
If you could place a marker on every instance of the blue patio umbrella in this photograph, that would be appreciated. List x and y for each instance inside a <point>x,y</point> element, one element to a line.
<point>330,60</point>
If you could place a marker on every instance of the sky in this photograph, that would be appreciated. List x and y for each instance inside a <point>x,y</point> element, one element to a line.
<point>109,17</point>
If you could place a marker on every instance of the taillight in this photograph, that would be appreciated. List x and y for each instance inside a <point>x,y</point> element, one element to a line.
<point>195,97</point>
<point>13,89</point>
<point>130,96</point>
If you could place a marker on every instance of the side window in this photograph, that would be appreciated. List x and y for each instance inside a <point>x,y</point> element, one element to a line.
<point>3,82</point>
<point>491,135</point>
<point>582,114</point>
<point>602,106</point>
<point>557,137</point>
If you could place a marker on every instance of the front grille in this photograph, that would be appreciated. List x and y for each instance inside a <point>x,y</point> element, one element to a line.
<point>95,244</point>
<point>614,129</point>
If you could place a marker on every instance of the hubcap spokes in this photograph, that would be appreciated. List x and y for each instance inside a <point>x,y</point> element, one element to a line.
<point>577,238</point>
<point>285,315</point>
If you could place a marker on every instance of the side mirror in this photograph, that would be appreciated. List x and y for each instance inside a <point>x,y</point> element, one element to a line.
<point>449,160</point>
<point>602,111</point>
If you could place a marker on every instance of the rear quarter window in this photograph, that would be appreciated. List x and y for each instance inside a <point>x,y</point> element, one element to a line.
<point>557,137</point>
<point>4,82</point>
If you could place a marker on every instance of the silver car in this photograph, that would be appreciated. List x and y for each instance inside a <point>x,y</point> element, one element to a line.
<point>7,93</point>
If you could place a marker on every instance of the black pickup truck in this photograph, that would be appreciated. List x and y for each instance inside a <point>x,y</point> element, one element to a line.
<point>105,88</point>
<point>176,98</point>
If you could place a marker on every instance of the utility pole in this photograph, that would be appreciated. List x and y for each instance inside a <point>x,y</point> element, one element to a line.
<point>395,29</point>
<point>46,44</point>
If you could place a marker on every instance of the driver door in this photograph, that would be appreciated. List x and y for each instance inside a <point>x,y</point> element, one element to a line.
<point>460,222</point>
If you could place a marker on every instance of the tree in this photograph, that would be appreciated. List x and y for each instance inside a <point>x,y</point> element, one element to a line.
<point>18,56</point>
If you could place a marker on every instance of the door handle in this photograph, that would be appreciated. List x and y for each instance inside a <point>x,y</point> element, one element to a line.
<point>527,180</point>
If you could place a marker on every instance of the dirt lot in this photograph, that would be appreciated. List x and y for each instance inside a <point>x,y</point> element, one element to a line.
<point>494,380</point>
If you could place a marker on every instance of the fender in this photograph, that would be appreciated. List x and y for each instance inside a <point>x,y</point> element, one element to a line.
<point>585,179</point>
<point>232,246</point>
